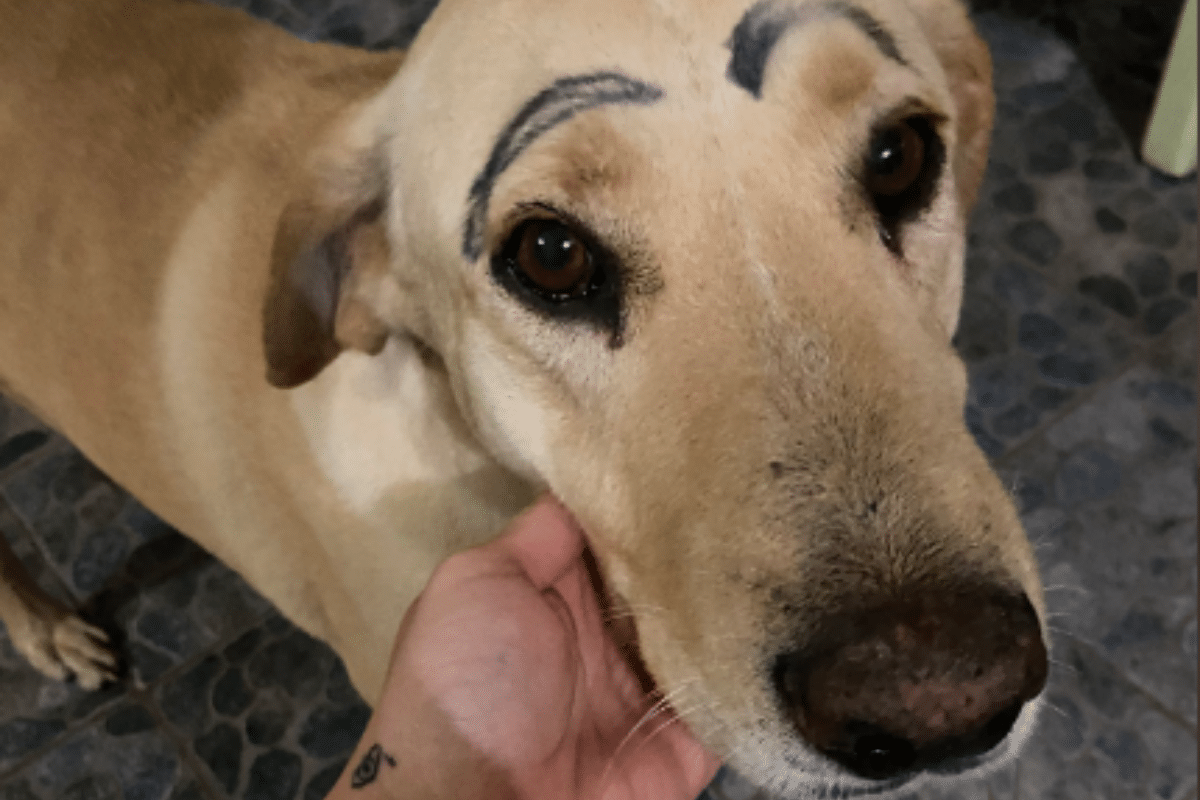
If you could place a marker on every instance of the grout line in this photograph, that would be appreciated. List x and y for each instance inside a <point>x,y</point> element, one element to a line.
<point>144,696</point>
<point>1141,355</point>
<point>1157,704</point>
<point>182,745</point>
<point>1089,394</point>
<point>61,586</point>
<point>216,648</point>
<point>73,728</point>
<point>147,692</point>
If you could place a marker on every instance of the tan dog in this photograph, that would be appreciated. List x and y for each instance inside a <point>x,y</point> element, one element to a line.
<point>693,266</point>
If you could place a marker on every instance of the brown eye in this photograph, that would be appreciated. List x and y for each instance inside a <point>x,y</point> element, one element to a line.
<point>900,174</point>
<point>896,160</point>
<point>553,259</point>
<point>559,268</point>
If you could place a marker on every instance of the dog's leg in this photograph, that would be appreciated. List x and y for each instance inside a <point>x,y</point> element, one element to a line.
<point>54,640</point>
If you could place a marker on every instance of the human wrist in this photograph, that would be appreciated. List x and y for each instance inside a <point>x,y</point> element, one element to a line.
<point>423,758</point>
<point>368,772</point>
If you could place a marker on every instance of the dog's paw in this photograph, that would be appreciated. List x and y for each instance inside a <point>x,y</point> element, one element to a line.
<point>59,645</point>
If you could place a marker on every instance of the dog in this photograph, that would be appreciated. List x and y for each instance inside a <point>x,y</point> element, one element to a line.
<point>692,267</point>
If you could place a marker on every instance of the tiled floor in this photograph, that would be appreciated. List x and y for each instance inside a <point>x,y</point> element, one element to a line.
<point>1080,330</point>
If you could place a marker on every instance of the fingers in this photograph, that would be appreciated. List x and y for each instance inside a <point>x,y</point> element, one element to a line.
<point>698,763</point>
<point>545,540</point>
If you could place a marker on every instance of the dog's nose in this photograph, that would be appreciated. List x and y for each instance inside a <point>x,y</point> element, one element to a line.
<point>915,684</point>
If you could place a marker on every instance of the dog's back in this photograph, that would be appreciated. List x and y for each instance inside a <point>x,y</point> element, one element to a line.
<point>108,147</point>
<point>148,148</point>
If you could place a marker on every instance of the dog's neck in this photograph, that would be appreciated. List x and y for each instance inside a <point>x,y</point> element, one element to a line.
<point>378,422</point>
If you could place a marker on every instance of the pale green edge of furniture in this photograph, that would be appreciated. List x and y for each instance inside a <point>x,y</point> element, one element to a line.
<point>1170,143</point>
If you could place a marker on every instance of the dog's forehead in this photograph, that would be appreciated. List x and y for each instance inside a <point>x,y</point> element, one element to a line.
<point>501,53</point>
<point>486,84</point>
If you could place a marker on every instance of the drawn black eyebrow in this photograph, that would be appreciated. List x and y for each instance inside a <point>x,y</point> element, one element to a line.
<point>553,105</point>
<point>764,24</point>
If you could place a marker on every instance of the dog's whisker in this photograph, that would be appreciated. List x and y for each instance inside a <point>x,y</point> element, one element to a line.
<point>1057,710</point>
<point>673,720</point>
<point>1066,587</point>
<point>661,705</point>
<point>1064,665</point>
<point>653,711</point>
<point>630,610</point>
<point>677,717</point>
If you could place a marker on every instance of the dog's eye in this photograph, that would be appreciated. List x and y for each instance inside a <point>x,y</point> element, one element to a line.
<point>556,267</point>
<point>552,259</point>
<point>901,171</point>
<point>897,155</point>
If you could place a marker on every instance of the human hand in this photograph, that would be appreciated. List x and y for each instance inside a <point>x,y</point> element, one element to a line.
<point>505,683</point>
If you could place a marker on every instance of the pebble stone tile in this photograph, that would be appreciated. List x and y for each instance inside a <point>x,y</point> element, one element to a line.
<point>1079,331</point>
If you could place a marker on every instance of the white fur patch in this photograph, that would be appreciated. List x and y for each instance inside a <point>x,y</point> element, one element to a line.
<point>510,415</point>
<point>375,422</point>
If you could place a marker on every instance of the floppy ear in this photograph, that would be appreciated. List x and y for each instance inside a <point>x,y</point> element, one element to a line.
<point>330,250</point>
<point>968,66</point>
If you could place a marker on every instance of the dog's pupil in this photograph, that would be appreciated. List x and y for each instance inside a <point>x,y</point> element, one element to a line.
<point>554,247</point>
<point>889,152</point>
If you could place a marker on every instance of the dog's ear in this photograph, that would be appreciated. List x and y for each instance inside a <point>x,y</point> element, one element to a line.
<point>312,309</point>
<point>968,66</point>
<point>330,251</point>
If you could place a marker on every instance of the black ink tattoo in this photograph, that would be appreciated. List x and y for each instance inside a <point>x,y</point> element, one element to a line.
<point>368,769</point>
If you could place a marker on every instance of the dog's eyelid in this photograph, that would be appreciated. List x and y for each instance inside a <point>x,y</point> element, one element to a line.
<point>911,106</point>
<point>527,210</point>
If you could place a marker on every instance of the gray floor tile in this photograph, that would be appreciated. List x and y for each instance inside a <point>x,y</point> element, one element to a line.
<point>20,436</point>
<point>77,513</point>
<point>1070,266</point>
<point>1032,350</point>
<point>1123,43</point>
<point>273,706</point>
<point>1109,493</point>
<point>122,755</point>
<point>1101,738</point>
<point>184,616</point>
<point>35,710</point>
<point>25,546</point>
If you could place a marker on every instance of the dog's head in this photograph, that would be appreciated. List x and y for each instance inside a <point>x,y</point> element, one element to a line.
<point>695,267</point>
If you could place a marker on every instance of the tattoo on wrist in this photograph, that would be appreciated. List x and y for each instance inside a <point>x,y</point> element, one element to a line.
<point>368,769</point>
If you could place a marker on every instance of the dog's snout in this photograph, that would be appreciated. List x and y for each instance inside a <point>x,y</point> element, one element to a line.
<point>916,684</point>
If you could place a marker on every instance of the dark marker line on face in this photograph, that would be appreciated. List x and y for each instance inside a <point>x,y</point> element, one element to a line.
<point>762,26</point>
<point>872,28</point>
<point>555,104</point>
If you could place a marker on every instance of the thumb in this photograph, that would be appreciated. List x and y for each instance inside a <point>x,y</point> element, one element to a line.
<point>544,540</point>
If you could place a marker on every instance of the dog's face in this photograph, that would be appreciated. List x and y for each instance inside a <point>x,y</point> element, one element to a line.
<point>696,268</point>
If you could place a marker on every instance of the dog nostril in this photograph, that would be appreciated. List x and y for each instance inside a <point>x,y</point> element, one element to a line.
<point>877,754</point>
<point>996,729</point>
